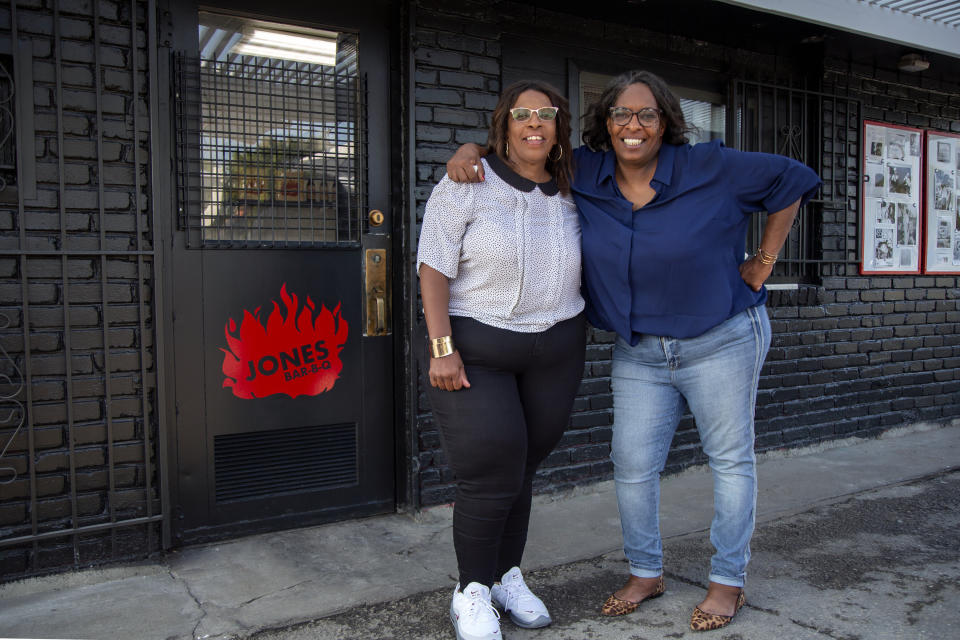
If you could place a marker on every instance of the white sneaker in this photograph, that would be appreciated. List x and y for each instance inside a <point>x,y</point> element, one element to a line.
<point>472,615</point>
<point>514,597</point>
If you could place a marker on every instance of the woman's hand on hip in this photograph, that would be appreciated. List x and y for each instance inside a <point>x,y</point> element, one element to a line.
<point>465,165</point>
<point>755,273</point>
<point>447,373</point>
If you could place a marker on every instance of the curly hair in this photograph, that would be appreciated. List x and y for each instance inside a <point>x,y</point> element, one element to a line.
<point>562,168</point>
<point>595,133</point>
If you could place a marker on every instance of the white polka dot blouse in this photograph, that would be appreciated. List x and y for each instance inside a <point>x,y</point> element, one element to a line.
<point>510,247</point>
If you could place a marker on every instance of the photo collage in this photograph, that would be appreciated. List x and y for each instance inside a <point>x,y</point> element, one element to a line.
<point>943,203</point>
<point>891,229</point>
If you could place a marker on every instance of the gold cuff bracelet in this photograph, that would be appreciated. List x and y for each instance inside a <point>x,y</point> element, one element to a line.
<point>440,347</point>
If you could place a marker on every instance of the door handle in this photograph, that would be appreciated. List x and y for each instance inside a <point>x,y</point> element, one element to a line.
<point>381,314</point>
<point>376,275</point>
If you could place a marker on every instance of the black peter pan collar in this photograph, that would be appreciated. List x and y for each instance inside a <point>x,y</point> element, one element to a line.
<point>517,181</point>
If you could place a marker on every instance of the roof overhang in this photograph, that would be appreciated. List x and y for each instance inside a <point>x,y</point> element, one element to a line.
<point>927,25</point>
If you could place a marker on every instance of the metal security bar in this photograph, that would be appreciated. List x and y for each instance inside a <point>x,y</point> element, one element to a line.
<point>821,131</point>
<point>8,147</point>
<point>79,393</point>
<point>269,150</point>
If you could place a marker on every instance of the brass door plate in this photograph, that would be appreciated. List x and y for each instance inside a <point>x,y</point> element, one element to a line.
<point>377,292</point>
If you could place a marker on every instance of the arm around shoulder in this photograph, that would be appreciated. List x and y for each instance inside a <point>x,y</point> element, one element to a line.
<point>465,165</point>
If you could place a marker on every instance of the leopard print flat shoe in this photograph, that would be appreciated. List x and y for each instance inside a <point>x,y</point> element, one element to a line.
<point>703,621</point>
<point>615,606</point>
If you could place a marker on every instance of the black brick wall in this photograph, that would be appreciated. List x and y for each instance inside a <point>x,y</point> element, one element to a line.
<point>850,356</point>
<point>458,58</point>
<point>875,351</point>
<point>85,449</point>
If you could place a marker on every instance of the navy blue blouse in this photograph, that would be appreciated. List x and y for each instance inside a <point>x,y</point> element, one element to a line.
<point>671,268</point>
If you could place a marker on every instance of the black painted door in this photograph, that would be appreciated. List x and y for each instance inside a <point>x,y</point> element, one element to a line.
<point>283,348</point>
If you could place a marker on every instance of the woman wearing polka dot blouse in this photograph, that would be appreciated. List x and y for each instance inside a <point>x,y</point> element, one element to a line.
<point>499,267</point>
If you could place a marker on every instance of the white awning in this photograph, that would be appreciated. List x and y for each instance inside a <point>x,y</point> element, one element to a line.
<point>927,25</point>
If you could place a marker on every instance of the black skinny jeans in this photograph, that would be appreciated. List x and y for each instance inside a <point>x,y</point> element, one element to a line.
<point>498,431</point>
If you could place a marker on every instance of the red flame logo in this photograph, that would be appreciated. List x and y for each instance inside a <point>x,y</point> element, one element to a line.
<point>297,355</point>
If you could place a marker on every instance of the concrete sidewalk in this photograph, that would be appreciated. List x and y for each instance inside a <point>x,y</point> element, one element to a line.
<point>274,581</point>
<point>882,564</point>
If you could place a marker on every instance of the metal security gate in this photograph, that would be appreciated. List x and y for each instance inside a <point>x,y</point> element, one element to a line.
<point>820,130</point>
<point>283,348</point>
<point>79,398</point>
<point>269,171</point>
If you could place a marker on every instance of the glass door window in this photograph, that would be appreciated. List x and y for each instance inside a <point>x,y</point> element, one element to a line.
<point>275,161</point>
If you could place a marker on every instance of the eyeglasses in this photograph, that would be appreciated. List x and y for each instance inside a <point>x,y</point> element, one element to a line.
<point>647,117</point>
<point>522,114</point>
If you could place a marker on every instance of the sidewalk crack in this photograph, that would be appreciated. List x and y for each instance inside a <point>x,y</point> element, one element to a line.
<point>260,597</point>
<point>196,600</point>
<point>824,632</point>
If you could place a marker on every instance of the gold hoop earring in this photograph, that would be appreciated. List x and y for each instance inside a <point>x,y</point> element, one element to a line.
<point>557,159</point>
<point>508,148</point>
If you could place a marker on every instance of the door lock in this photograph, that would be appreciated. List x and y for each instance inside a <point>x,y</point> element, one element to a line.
<point>377,292</point>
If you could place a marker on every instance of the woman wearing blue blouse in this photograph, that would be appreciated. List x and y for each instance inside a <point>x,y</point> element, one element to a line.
<point>663,231</point>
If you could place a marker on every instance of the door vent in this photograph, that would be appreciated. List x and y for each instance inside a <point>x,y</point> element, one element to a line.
<point>269,463</point>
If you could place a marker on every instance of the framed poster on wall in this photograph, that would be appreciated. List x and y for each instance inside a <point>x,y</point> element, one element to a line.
<point>942,230</point>
<point>890,200</point>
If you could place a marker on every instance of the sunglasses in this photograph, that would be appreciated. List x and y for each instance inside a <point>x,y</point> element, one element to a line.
<point>647,117</point>
<point>522,114</point>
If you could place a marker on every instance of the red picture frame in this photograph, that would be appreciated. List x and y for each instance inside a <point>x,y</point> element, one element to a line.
<point>941,236</point>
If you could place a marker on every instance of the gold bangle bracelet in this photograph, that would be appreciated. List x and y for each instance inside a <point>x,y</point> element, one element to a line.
<point>765,257</point>
<point>440,347</point>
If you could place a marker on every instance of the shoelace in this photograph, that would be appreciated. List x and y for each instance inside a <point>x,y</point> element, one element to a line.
<point>517,592</point>
<point>479,606</point>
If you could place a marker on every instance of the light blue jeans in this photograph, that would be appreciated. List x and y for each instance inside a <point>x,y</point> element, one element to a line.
<point>715,375</point>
